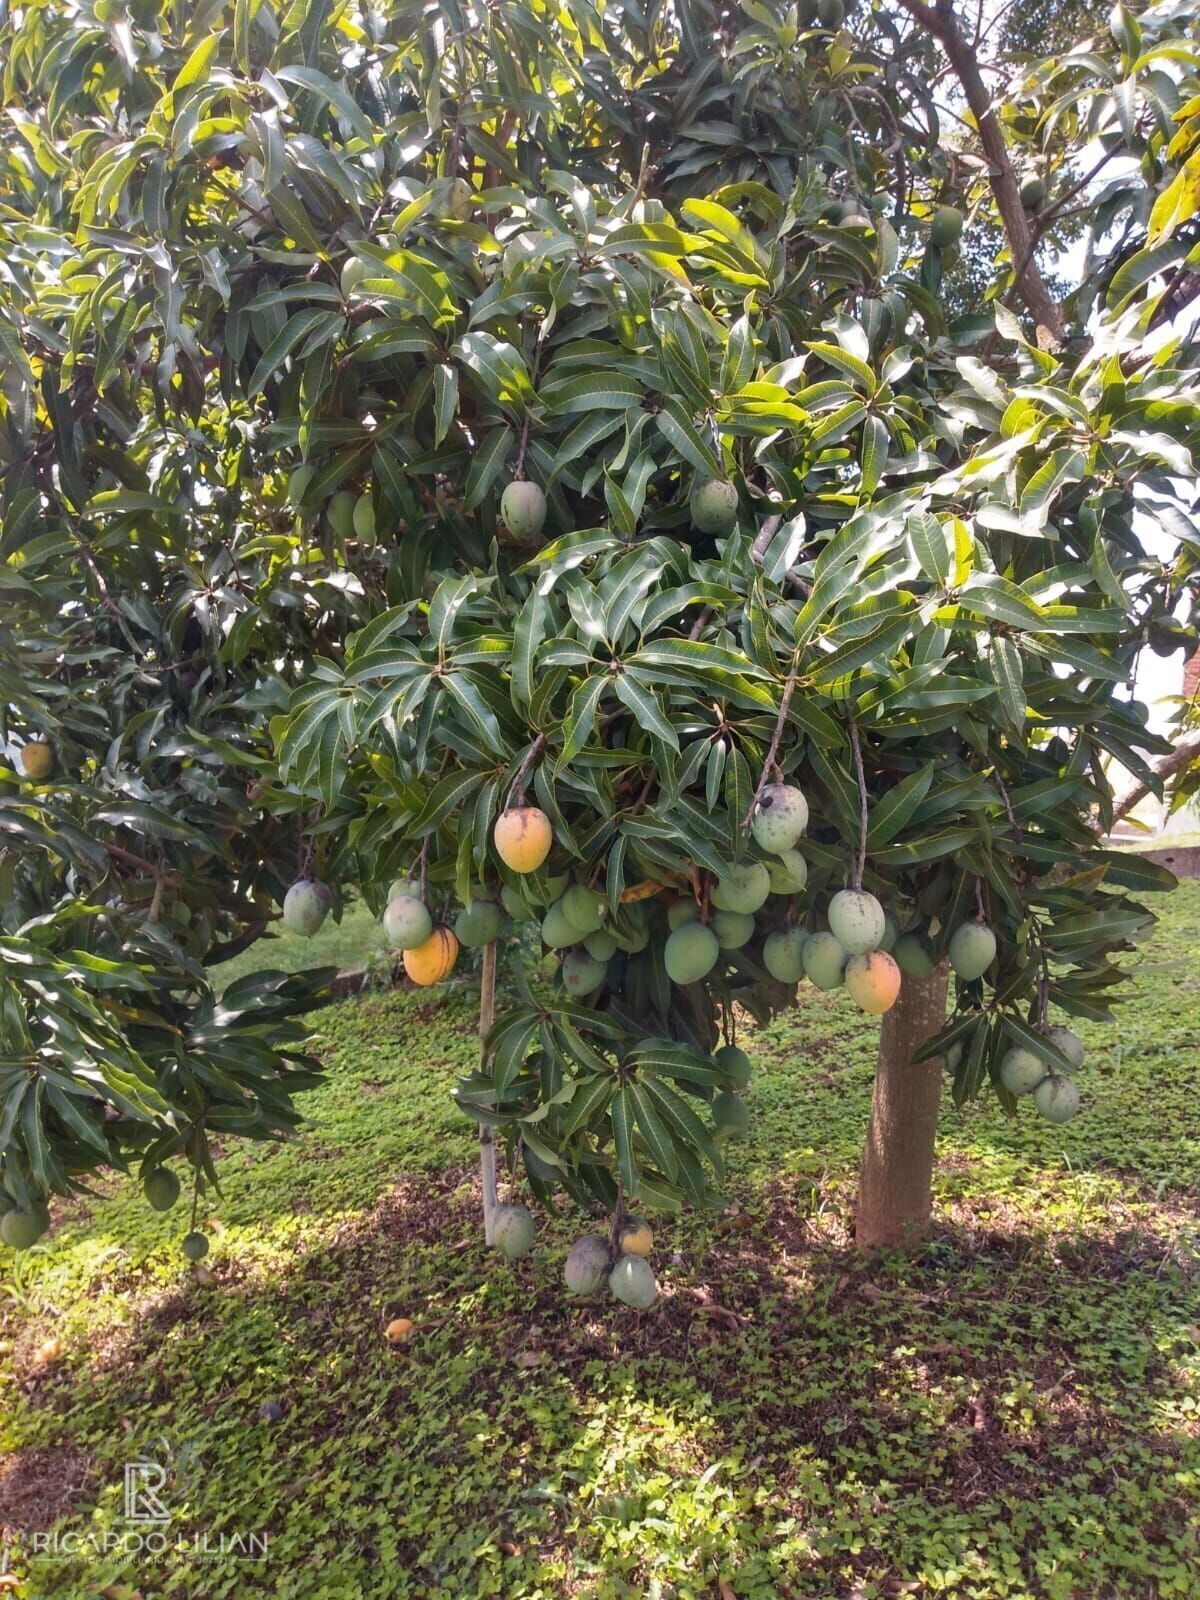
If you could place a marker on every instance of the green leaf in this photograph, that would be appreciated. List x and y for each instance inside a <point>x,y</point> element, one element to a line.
<point>680,431</point>
<point>445,400</point>
<point>580,722</point>
<point>681,1119</point>
<point>933,546</point>
<point>658,1140</point>
<point>443,800</point>
<point>1144,265</point>
<point>529,630</point>
<point>486,466</point>
<point>498,365</point>
<point>285,341</point>
<point>622,1122</point>
<point>636,693</point>
<point>609,391</point>
<point>1004,658</point>
<point>1132,871</point>
<point>876,443</point>
<point>834,356</point>
<point>335,97</point>
<point>987,594</point>
<point>588,1106</point>
<point>892,814</point>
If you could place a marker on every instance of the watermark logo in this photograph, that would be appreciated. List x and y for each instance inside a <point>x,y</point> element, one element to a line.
<point>143,1480</point>
<point>146,1528</point>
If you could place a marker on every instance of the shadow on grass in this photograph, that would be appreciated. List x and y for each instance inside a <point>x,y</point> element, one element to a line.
<point>791,1419</point>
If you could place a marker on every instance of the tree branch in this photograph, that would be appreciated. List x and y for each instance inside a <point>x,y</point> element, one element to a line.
<point>762,539</point>
<point>234,947</point>
<point>1184,753</point>
<point>942,24</point>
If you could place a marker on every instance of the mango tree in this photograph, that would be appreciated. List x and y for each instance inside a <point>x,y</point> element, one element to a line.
<point>569,413</point>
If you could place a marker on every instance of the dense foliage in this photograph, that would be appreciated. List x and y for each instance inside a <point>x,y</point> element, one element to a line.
<point>289,297</point>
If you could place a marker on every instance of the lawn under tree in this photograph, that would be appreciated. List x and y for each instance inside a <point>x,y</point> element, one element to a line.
<point>1013,1412</point>
<point>640,525</point>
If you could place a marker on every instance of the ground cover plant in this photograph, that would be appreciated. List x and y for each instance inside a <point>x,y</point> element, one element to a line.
<point>1013,1412</point>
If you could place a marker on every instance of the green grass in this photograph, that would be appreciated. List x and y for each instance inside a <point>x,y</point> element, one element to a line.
<point>356,941</point>
<point>1184,839</point>
<point>1015,1412</point>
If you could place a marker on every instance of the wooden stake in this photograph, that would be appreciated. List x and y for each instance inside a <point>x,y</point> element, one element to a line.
<point>487,1142</point>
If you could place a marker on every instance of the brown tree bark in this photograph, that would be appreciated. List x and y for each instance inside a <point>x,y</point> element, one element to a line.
<point>487,1139</point>
<point>895,1189</point>
<point>1184,754</point>
<point>941,21</point>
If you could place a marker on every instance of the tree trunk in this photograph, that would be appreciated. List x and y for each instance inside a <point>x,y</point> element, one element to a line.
<point>896,1172</point>
<point>487,1142</point>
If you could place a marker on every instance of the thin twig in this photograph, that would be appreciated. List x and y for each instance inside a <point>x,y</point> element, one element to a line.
<point>128,858</point>
<point>518,783</point>
<point>423,858</point>
<point>306,846</point>
<point>1043,990</point>
<point>643,794</point>
<point>771,764</point>
<point>856,747</point>
<point>643,177</point>
<point>1008,810</point>
<point>618,1221</point>
<point>519,464</point>
<point>701,622</point>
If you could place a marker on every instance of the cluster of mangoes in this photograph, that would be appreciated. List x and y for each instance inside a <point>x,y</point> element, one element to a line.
<point>429,950</point>
<point>1055,1095</point>
<point>22,1226</point>
<point>862,947</point>
<point>346,514</point>
<point>620,1260</point>
<point>713,507</point>
<point>971,951</point>
<point>161,1188</point>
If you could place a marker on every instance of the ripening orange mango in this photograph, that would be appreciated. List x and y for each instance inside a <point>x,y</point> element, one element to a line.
<point>523,838</point>
<point>434,960</point>
<point>873,979</point>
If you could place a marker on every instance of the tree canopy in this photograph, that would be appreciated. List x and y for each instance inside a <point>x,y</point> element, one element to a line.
<point>290,294</point>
